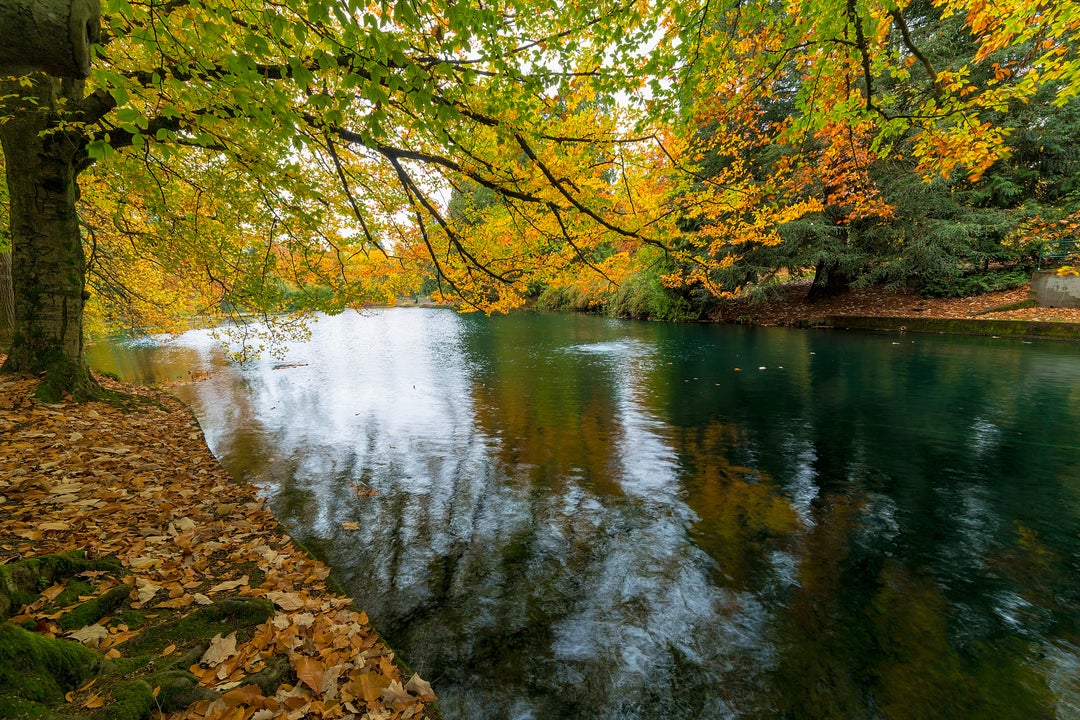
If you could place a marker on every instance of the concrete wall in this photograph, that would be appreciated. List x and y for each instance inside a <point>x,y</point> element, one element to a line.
<point>1052,290</point>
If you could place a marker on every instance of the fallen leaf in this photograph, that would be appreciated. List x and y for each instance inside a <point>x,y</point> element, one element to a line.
<point>170,649</point>
<point>94,701</point>
<point>420,688</point>
<point>147,589</point>
<point>91,635</point>
<point>221,649</point>
<point>184,524</point>
<point>395,695</point>
<point>113,449</point>
<point>245,695</point>
<point>365,686</point>
<point>229,585</point>
<point>176,603</point>
<point>53,526</point>
<point>286,601</point>
<point>66,488</point>
<point>350,525</point>
<point>310,672</point>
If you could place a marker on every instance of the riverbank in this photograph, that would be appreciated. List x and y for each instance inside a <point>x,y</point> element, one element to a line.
<point>137,579</point>
<point>876,308</point>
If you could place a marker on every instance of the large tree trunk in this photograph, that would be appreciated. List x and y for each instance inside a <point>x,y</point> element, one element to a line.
<point>49,35</point>
<point>48,265</point>
<point>7,295</point>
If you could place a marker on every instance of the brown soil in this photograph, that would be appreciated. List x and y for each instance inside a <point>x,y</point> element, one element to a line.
<point>790,307</point>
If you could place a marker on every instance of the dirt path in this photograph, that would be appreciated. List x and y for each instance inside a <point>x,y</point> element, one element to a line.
<point>207,591</point>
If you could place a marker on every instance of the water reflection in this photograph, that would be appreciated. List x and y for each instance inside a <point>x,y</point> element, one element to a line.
<point>585,518</point>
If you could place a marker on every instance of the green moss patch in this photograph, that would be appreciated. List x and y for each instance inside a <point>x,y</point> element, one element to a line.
<point>38,673</point>
<point>22,582</point>
<point>239,615</point>
<point>41,669</point>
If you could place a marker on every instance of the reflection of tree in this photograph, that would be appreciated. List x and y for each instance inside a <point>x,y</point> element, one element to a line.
<point>553,410</point>
<point>741,514</point>
<point>550,446</point>
<point>864,635</point>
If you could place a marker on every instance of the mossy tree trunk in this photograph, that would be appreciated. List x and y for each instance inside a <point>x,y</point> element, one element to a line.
<point>49,35</point>
<point>48,267</point>
<point>7,296</point>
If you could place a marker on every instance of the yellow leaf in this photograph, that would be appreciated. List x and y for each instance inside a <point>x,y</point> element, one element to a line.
<point>94,701</point>
<point>169,650</point>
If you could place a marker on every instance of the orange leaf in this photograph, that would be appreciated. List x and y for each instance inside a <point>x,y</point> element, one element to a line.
<point>246,695</point>
<point>94,701</point>
<point>310,671</point>
<point>371,686</point>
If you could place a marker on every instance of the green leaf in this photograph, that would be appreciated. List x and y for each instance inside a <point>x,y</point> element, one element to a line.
<point>99,149</point>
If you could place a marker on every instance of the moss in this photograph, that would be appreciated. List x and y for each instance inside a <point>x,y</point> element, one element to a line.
<point>73,590</point>
<point>132,700</point>
<point>135,699</point>
<point>16,708</point>
<point>131,665</point>
<point>42,669</point>
<point>93,610</point>
<point>270,677</point>
<point>224,616</point>
<point>177,689</point>
<point>131,617</point>
<point>23,581</point>
<point>64,376</point>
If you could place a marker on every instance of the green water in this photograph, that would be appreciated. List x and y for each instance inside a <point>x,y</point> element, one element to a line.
<point>585,518</point>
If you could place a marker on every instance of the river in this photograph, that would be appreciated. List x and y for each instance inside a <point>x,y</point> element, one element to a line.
<point>565,516</point>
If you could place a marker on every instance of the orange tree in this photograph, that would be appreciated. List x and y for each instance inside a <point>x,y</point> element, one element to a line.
<point>866,139</point>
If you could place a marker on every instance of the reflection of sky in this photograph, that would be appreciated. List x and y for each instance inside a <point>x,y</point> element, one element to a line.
<point>651,599</point>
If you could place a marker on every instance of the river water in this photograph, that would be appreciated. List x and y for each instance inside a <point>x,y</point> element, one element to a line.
<point>564,516</point>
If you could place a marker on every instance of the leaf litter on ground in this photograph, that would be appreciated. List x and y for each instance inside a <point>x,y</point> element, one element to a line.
<point>143,487</point>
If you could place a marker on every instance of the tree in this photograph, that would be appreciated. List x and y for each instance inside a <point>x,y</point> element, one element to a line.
<point>882,119</point>
<point>380,99</point>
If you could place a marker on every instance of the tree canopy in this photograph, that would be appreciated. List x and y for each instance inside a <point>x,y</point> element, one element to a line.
<point>240,157</point>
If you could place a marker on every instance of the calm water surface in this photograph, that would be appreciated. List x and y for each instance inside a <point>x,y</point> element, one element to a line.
<point>585,518</point>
